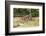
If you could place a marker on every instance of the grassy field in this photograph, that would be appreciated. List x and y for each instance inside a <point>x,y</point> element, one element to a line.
<point>17,22</point>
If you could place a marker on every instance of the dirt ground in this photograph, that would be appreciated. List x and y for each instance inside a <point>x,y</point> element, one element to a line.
<point>17,22</point>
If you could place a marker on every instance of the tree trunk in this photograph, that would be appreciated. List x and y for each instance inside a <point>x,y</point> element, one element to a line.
<point>30,16</point>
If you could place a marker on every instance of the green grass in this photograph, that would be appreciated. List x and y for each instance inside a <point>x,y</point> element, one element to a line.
<point>17,22</point>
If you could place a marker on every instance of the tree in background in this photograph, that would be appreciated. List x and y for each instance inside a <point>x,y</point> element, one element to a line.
<point>35,12</point>
<point>26,11</point>
<point>20,12</point>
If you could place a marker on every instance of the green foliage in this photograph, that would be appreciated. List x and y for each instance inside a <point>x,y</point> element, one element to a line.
<point>35,12</point>
<point>23,12</point>
<point>20,12</point>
